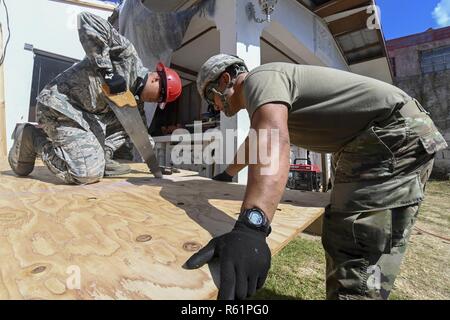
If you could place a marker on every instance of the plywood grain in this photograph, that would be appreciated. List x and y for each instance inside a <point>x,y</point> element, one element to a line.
<point>127,237</point>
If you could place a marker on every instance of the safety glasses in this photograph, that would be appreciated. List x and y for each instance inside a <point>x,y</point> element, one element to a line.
<point>209,93</point>
<point>163,86</point>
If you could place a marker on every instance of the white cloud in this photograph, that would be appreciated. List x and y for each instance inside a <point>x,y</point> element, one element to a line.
<point>442,13</point>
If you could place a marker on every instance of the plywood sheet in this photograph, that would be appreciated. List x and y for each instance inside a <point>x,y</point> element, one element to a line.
<point>123,238</point>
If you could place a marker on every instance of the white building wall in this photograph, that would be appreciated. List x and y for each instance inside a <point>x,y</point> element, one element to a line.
<point>303,34</point>
<point>47,25</point>
<point>306,34</point>
<point>378,69</point>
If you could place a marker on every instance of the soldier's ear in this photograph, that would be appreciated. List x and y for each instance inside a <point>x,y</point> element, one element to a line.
<point>153,76</point>
<point>225,79</point>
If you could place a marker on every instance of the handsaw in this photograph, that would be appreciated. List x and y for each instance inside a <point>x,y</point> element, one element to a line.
<point>124,107</point>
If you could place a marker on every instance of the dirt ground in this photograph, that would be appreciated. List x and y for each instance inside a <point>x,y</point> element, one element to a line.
<point>298,271</point>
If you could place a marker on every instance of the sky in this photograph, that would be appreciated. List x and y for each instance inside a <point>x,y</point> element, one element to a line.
<point>404,17</point>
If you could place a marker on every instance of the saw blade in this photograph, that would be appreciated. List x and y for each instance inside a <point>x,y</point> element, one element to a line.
<point>131,120</point>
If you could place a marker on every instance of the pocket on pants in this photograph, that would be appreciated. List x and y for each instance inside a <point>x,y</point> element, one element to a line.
<point>433,142</point>
<point>365,158</point>
<point>403,220</point>
<point>372,231</point>
<point>430,138</point>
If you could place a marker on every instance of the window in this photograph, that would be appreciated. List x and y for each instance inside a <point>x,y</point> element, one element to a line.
<point>394,67</point>
<point>435,60</point>
<point>46,67</point>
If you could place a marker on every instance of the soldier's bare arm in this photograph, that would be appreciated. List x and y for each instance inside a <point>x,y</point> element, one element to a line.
<point>267,182</point>
<point>237,164</point>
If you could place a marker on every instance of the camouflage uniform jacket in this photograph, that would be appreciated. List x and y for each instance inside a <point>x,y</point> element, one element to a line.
<point>77,92</point>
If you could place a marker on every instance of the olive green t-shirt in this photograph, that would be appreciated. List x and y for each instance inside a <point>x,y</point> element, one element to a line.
<point>328,107</point>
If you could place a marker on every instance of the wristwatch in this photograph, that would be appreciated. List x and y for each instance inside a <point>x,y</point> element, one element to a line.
<point>255,218</point>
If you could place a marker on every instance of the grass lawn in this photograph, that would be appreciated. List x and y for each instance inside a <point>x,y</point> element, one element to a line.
<point>298,271</point>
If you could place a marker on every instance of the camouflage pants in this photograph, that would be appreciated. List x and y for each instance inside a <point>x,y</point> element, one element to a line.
<point>77,155</point>
<point>364,251</point>
<point>379,182</point>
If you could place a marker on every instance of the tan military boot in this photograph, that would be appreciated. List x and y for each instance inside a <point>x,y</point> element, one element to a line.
<point>112,167</point>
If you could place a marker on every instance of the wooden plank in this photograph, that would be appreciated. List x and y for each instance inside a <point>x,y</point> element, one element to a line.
<point>337,6</point>
<point>3,151</point>
<point>128,237</point>
<point>352,23</point>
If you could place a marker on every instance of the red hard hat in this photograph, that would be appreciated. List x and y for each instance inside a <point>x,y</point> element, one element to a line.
<point>171,84</point>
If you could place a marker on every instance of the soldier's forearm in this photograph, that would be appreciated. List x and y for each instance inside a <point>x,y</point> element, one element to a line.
<point>267,178</point>
<point>239,163</point>
<point>264,190</point>
<point>234,168</point>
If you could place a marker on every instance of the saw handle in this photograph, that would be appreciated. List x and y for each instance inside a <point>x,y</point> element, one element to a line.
<point>121,100</point>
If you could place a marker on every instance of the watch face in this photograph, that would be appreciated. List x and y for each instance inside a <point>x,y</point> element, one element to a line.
<point>256,218</point>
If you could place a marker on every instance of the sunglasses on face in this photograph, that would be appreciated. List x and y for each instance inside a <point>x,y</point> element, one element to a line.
<point>209,94</point>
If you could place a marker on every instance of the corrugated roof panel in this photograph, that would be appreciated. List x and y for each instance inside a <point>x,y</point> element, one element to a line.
<point>370,36</point>
<point>358,39</point>
<point>346,42</point>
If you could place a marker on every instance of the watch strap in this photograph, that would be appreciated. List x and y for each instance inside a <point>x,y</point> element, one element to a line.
<point>265,227</point>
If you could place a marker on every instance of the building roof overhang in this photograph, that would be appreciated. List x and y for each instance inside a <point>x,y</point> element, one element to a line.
<point>353,25</point>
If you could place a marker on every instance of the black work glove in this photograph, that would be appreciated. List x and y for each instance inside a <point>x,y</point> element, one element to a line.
<point>244,259</point>
<point>115,82</point>
<point>224,176</point>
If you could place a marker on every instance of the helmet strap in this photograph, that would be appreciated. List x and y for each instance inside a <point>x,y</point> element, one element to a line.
<point>223,96</point>
<point>163,87</point>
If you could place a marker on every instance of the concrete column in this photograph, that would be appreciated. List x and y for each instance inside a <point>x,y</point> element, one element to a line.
<point>238,36</point>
